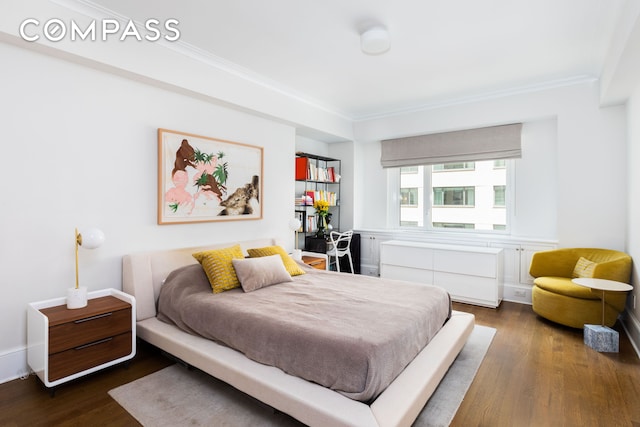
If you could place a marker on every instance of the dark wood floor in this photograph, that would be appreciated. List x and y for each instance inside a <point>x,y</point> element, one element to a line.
<point>535,374</point>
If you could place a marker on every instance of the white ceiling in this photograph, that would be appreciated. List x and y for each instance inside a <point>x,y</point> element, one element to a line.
<point>441,50</point>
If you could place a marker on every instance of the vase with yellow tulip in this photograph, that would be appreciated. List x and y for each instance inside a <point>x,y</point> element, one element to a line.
<point>322,210</point>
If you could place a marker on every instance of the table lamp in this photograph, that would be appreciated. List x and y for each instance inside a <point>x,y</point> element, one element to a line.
<point>294,225</point>
<point>88,239</point>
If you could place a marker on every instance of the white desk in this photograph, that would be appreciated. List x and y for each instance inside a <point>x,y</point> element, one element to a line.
<point>600,337</point>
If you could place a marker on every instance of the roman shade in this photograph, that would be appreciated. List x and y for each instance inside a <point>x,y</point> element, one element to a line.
<point>489,143</point>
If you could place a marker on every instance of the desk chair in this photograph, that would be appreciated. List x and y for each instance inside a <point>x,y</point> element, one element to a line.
<point>340,246</point>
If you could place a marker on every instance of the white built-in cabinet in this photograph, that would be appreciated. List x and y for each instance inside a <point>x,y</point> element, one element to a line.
<point>370,252</point>
<point>517,259</point>
<point>517,253</point>
<point>470,274</point>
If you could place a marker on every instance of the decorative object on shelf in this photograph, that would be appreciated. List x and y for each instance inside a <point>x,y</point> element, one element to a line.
<point>207,179</point>
<point>89,239</point>
<point>322,210</point>
<point>294,225</point>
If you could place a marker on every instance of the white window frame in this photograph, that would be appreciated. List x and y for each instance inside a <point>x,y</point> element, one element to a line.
<point>393,204</point>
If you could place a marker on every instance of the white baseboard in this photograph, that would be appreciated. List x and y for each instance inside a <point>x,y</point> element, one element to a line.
<point>517,293</point>
<point>369,270</point>
<point>13,365</point>
<point>631,326</point>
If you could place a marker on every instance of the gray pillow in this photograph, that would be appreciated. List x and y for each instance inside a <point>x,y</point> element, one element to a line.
<point>256,273</point>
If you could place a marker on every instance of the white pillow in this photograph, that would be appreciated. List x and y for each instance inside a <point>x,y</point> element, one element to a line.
<point>256,273</point>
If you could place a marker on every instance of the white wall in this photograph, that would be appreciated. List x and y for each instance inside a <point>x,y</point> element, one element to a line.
<point>311,146</point>
<point>345,152</point>
<point>80,149</point>
<point>571,185</point>
<point>633,233</point>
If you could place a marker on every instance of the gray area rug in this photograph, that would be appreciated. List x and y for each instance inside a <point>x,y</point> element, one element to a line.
<point>176,396</point>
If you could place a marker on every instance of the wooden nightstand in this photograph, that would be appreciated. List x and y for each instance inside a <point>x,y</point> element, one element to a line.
<point>65,344</point>
<point>317,262</point>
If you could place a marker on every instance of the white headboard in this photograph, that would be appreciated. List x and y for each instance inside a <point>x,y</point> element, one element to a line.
<point>143,273</point>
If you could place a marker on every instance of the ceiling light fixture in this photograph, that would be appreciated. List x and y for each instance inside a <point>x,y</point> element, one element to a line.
<point>375,41</point>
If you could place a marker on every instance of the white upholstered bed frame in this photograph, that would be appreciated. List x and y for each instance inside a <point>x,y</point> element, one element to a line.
<point>312,404</point>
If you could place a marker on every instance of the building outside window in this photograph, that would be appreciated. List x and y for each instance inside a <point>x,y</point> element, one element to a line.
<point>409,197</point>
<point>454,196</point>
<point>454,166</point>
<point>461,195</point>
<point>499,195</point>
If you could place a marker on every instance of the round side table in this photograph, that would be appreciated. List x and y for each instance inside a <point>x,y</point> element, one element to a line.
<point>601,337</point>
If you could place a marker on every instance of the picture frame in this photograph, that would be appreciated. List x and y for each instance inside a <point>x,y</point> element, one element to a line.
<point>205,179</point>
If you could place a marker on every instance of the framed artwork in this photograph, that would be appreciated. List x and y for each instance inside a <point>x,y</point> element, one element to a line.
<point>204,179</point>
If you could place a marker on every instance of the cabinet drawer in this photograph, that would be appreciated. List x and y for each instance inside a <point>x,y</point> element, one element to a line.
<point>407,256</point>
<point>407,273</point>
<point>89,329</point>
<point>89,355</point>
<point>318,263</point>
<point>479,289</point>
<point>469,263</point>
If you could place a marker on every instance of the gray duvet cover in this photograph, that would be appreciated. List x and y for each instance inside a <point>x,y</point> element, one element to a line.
<point>350,333</point>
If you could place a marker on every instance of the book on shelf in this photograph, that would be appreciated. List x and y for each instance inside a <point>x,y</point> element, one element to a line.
<point>309,171</point>
<point>302,168</point>
<point>311,224</point>
<point>331,174</point>
<point>311,196</point>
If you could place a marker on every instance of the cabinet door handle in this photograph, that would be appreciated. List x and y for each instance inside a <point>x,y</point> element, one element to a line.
<point>91,344</point>
<point>99,316</point>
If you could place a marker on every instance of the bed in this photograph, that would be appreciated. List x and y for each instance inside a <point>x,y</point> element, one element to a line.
<point>313,404</point>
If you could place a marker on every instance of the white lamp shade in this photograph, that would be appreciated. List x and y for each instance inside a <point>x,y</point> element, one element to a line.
<point>294,224</point>
<point>375,41</point>
<point>92,238</point>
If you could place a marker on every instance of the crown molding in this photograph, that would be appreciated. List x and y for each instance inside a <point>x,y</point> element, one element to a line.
<point>484,96</point>
<point>95,11</point>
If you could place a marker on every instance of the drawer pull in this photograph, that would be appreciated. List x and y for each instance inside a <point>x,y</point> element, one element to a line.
<point>93,343</point>
<point>99,316</point>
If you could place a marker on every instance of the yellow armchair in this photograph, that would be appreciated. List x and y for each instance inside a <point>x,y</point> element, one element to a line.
<point>557,298</point>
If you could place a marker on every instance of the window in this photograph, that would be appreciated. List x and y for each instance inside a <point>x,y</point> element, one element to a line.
<point>455,196</point>
<point>455,166</point>
<point>409,196</point>
<point>452,225</point>
<point>498,195</point>
<point>409,169</point>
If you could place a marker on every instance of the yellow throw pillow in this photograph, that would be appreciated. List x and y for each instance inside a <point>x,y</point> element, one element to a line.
<point>289,264</point>
<point>584,268</point>
<point>218,265</point>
